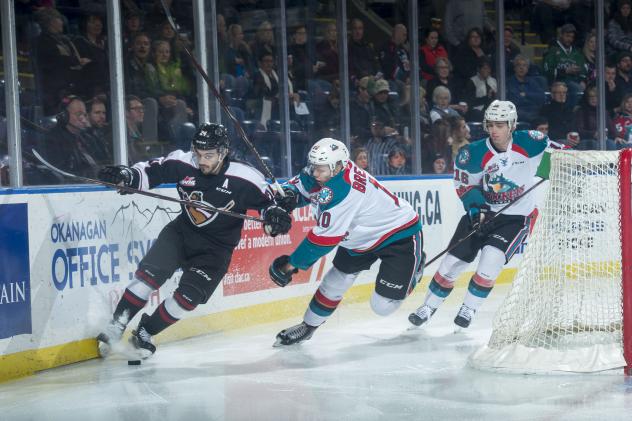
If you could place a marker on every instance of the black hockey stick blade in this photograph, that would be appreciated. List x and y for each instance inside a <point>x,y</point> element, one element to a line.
<point>223,104</point>
<point>504,208</point>
<point>183,202</point>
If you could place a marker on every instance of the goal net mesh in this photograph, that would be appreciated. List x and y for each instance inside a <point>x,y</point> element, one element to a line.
<point>564,311</point>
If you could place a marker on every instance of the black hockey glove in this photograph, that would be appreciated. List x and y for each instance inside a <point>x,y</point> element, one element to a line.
<point>289,202</point>
<point>276,221</point>
<point>477,215</point>
<point>277,274</point>
<point>117,174</point>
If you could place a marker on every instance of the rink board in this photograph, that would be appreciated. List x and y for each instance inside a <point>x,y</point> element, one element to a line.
<point>67,254</point>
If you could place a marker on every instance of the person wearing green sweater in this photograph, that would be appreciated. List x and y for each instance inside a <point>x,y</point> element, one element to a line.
<point>564,63</point>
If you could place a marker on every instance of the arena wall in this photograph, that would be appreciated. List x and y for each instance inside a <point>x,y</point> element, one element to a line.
<point>67,254</point>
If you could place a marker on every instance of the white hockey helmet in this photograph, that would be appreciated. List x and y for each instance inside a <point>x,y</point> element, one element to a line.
<point>501,111</point>
<point>328,151</point>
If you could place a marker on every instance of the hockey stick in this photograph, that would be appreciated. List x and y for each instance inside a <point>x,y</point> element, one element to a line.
<point>222,102</point>
<point>183,202</point>
<point>453,246</point>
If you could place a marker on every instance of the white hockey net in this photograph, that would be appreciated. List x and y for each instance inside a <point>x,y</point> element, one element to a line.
<point>564,310</point>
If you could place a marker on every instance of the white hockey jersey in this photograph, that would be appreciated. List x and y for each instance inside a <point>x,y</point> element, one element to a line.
<point>483,175</point>
<point>352,210</point>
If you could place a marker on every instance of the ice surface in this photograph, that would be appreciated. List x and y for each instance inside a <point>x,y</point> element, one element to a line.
<point>356,367</point>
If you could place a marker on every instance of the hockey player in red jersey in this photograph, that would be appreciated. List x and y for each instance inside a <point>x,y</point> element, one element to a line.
<point>199,242</point>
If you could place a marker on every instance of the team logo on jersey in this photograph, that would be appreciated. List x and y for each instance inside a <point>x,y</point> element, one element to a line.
<point>463,157</point>
<point>499,184</point>
<point>188,181</point>
<point>504,161</point>
<point>201,217</point>
<point>325,196</point>
<point>536,135</point>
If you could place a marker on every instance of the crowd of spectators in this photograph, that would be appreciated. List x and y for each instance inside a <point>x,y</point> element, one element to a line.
<point>457,59</point>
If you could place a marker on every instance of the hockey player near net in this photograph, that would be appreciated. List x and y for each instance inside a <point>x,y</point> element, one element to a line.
<point>368,222</point>
<point>199,242</point>
<point>488,174</point>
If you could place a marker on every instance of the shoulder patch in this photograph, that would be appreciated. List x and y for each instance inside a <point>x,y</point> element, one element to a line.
<point>536,135</point>
<point>325,196</point>
<point>463,157</point>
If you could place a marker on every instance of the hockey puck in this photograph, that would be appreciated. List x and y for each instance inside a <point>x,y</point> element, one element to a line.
<point>133,362</point>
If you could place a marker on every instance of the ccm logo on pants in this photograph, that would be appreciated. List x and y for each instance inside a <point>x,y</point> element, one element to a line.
<point>389,285</point>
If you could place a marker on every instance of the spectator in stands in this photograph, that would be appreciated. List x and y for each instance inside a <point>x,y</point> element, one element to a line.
<point>134,116</point>
<point>468,55</point>
<point>441,108</point>
<point>66,145</point>
<point>238,61</point>
<point>59,65</point>
<point>177,42</point>
<point>327,54</point>
<point>541,124</point>
<point>443,77</point>
<point>303,67</point>
<point>586,120</point>
<point>559,112</point>
<point>619,29</point>
<point>461,16</point>
<point>548,15</point>
<point>624,75</point>
<point>396,162</point>
<point>440,165</point>
<point>565,63</point>
<point>383,110</point>
<point>480,90</point>
<point>363,59</point>
<point>99,131</point>
<point>437,142</point>
<point>360,111</point>
<point>264,41</point>
<point>460,133</point>
<point>175,88</point>
<point>133,25</point>
<point>92,44</point>
<point>429,52</point>
<point>360,157</point>
<point>614,94</point>
<point>141,80</point>
<point>394,56</point>
<point>511,51</point>
<point>265,91</point>
<point>526,92</point>
<point>379,146</point>
<point>621,127</point>
<point>589,51</point>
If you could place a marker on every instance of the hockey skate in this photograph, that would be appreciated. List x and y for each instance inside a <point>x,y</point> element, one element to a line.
<point>464,318</point>
<point>141,340</point>
<point>295,334</point>
<point>421,315</point>
<point>110,336</point>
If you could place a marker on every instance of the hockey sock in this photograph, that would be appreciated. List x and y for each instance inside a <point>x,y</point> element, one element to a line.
<point>167,313</point>
<point>438,290</point>
<point>133,300</point>
<point>328,296</point>
<point>319,309</point>
<point>477,290</point>
<point>489,266</point>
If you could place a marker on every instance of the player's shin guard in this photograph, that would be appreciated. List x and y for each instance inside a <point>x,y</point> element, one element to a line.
<point>135,297</point>
<point>383,306</point>
<point>490,264</point>
<point>168,312</point>
<point>328,296</point>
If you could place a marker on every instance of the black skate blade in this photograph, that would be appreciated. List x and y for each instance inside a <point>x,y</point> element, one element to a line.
<point>134,362</point>
<point>415,320</point>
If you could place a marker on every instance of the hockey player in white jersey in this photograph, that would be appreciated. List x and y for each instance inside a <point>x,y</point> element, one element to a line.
<point>368,222</point>
<point>488,174</point>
